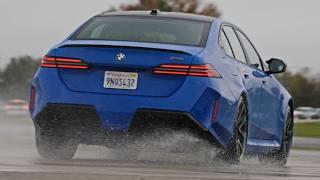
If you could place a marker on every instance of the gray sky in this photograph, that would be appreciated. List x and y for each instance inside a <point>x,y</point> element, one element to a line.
<point>288,29</point>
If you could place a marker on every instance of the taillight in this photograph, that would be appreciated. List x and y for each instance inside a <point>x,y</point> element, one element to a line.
<point>205,70</point>
<point>66,63</point>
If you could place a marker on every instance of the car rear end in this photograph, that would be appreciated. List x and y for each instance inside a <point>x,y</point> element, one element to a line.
<point>117,71</point>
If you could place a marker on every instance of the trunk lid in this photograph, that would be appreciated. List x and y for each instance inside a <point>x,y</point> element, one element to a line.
<point>139,58</point>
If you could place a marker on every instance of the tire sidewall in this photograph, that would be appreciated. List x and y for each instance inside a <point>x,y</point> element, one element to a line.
<point>53,146</point>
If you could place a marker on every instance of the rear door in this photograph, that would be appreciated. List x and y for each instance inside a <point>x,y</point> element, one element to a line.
<point>250,79</point>
<point>269,102</point>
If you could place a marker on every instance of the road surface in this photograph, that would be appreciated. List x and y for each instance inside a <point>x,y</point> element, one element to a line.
<point>19,160</point>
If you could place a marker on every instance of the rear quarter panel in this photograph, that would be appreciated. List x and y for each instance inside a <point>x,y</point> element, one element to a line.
<point>229,87</point>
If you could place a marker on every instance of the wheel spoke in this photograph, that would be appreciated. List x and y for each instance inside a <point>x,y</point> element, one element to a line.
<point>239,147</point>
<point>242,109</point>
<point>289,124</point>
<point>242,121</point>
<point>242,132</point>
<point>241,125</point>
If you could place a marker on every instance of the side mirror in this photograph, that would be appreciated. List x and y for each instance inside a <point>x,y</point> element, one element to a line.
<point>276,66</point>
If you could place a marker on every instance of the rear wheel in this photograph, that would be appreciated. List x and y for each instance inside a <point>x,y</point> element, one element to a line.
<point>280,157</point>
<point>236,149</point>
<point>55,144</point>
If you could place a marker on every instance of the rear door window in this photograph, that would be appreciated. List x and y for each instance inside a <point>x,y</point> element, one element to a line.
<point>224,44</point>
<point>235,44</point>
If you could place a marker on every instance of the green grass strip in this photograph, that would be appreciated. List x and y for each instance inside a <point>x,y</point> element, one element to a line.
<point>307,130</point>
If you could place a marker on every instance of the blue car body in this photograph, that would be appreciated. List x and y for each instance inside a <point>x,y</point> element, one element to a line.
<point>200,98</point>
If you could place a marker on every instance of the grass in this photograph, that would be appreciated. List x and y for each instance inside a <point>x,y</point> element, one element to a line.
<point>307,129</point>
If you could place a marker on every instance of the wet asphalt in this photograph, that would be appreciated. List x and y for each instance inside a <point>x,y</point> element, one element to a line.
<point>19,160</point>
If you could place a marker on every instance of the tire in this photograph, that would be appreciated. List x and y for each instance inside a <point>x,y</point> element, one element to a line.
<point>235,151</point>
<point>280,157</point>
<point>55,145</point>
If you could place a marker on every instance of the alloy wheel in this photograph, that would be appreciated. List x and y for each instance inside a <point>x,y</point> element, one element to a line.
<point>241,131</point>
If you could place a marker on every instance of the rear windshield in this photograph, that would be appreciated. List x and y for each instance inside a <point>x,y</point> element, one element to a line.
<point>143,29</point>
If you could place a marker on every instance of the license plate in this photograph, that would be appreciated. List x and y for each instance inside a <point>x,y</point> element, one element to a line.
<point>120,80</point>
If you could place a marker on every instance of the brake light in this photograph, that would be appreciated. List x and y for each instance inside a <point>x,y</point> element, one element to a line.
<point>205,70</point>
<point>65,63</point>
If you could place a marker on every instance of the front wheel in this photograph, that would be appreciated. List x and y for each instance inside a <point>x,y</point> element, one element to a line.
<point>280,157</point>
<point>55,144</point>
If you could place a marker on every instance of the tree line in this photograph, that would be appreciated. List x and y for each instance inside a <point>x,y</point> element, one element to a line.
<point>304,87</point>
<point>16,77</point>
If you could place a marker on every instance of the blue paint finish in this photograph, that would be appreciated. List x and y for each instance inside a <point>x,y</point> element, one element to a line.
<point>103,59</point>
<point>267,103</point>
<point>262,146</point>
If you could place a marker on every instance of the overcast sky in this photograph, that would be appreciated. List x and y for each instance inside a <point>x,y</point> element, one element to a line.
<point>288,29</point>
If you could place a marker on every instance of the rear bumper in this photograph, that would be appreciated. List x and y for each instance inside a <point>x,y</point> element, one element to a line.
<point>84,121</point>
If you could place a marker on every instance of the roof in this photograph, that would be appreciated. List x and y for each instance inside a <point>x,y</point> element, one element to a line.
<point>176,15</point>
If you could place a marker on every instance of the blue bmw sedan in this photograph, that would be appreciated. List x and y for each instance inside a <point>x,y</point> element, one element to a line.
<point>121,75</point>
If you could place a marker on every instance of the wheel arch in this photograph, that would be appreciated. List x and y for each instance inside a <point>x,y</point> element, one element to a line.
<point>287,103</point>
<point>291,105</point>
